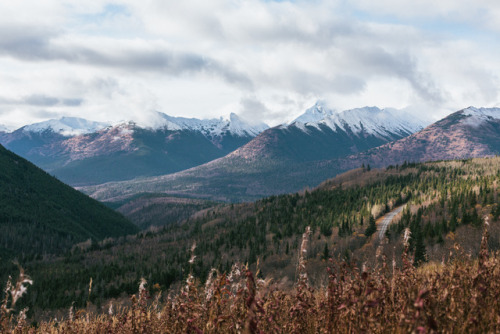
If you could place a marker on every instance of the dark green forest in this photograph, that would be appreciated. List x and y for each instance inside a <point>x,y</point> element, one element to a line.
<point>41,216</point>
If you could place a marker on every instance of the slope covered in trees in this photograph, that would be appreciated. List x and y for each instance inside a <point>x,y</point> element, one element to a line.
<point>444,205</point>
<point>40,215</point>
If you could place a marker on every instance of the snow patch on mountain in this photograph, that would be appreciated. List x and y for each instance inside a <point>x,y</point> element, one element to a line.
<point>315,114</point>
<point>66,126</point>
<point>368,120</point>
<point>213,127</point>
<point>477,116</point>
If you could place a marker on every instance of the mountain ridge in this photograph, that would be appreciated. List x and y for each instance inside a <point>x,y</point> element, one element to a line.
<point>279,160</point>
<point>66,126</point>
<point>213,127</point>
<point>468,133</point>
<point>85,152</point>
<point>370,120</point>
<point>253,171</point>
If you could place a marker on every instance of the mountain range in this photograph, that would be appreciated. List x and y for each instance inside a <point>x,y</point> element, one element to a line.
<point>282,159</point>
<point>269,165</point>
<point>321,134</point>
<point>81,152</point>
<point>231,160</point>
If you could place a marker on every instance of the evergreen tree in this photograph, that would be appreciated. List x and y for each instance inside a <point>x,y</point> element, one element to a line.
<point>420,254</point>
<point>453,222</point>
<point>372,228</point>
<point>475,219</point>
<point>326,252</point>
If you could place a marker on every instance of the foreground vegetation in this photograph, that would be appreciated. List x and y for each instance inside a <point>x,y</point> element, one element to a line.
<point>461,296</point>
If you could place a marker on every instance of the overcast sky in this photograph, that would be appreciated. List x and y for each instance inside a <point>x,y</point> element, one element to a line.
<point>264,60</point>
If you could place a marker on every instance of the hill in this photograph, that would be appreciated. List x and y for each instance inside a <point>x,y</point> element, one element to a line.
<point>40,215</point>
<point>156,210</point>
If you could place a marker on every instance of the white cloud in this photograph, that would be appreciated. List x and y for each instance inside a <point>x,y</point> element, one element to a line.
<point>126,59</point>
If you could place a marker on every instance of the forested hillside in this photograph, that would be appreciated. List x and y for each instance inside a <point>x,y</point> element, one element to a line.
<point>159,210</point>
<point>444,205</point>
<point>40,216</point>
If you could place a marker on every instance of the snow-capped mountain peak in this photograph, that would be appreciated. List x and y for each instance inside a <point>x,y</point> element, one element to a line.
<point>241,127</point>
<point>314,114</point>
<point>214,127</point>
<point>66,126</point>
<point>367,120</point>
<point>477,116</point>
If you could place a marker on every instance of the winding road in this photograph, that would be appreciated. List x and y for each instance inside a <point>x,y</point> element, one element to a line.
<point>386,220</point>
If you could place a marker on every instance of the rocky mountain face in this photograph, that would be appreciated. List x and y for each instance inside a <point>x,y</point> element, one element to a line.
<point>81,152</point>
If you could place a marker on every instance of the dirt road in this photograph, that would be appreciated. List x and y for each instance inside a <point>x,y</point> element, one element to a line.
<point>386,220</point>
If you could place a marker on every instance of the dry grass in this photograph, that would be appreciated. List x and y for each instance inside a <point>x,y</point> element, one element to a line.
<point>461,296</point>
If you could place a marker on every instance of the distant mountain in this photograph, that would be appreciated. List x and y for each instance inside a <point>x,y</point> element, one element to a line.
<point>66,126</point>
<point>81,152</point>
<point>281,159</point>
<point>468,133</point>
<point>212,128</point>
<point>321,134</point>
<point>40,215</point>
<point>388,123</point>
<point>29,139</point>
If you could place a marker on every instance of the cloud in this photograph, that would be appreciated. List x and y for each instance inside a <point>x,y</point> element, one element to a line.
<point>195,58</point>
<point>40,100</point>
<point>29,44</point>
<point>379,62</point>
<point>253,110</point>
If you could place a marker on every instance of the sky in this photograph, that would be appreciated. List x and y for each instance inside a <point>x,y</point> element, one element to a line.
<point>261,59</point>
